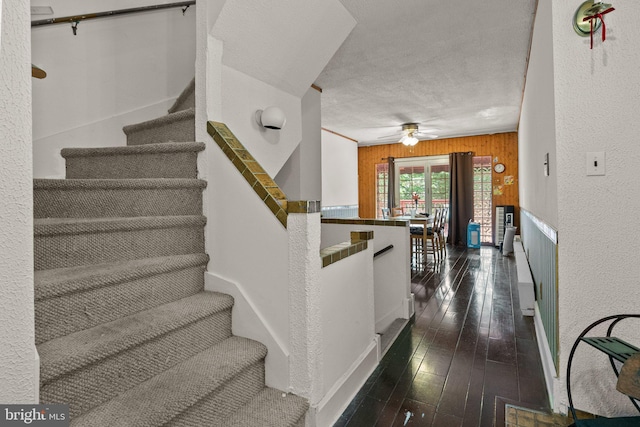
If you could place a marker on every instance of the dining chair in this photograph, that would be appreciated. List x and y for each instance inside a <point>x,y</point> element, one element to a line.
<point>423,241</point>
<point>442,229</point>
<point>396,212</point>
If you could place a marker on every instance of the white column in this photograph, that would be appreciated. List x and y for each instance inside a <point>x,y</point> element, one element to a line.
<point>304,303</point>
<point>18,358</point>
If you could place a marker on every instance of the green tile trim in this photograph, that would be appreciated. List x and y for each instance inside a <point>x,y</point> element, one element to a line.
<point>361,236</point>
<point>335,253</point>
<point>304,206</point>
<point>264,186</point>
<point>380,222</point>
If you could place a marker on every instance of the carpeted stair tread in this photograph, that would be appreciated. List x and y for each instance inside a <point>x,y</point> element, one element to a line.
<point>71,352</point>
<point>116,184</point>
<point>79,198</point>
<point>186,99</point>
<point>71,299</point>
<point>162,398</point>
<point>68,242</point>
<point>97,382</point>
<point>62,281</point>
<point>270,408</point>
<point>130,150</point>
<point>164,160</point>
<point>162,120</point>
<point>178,126</point>
<point>51,226</point>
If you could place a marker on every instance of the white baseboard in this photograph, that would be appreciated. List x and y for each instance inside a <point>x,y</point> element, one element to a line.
<point>409,306</point>
<point>336,400</point>
<point>248,322</point>
<point>548,365</point>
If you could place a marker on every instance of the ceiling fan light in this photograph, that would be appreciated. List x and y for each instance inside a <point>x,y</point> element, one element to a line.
<point>409,140</point>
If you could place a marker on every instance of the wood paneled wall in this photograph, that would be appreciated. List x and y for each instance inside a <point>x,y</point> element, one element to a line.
<point>502,147</point>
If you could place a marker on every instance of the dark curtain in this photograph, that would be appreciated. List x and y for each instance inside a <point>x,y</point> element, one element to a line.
<point>460,196</point>
<point>391,191</point>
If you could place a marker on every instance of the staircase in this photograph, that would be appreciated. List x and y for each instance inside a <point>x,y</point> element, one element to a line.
<point>126,334</point>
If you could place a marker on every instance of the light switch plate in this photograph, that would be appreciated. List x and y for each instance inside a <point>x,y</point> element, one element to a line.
<point>595,163</point>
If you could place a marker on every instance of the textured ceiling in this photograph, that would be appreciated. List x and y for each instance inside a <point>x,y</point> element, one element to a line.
<point>456,67</point>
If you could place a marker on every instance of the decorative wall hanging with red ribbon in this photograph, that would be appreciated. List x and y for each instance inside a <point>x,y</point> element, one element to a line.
<point>589,17</point>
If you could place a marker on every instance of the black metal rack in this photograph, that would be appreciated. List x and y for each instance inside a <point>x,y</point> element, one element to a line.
<point>615,349</point>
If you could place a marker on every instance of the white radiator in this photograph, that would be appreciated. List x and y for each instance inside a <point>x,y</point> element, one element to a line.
<point>499,228</point>
<point>525,281</point>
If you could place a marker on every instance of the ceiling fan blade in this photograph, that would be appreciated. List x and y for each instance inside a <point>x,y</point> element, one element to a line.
<point>397,139</point>
<point>393,135</point>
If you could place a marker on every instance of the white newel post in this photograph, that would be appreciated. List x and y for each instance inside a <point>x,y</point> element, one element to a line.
<point>305,331</point>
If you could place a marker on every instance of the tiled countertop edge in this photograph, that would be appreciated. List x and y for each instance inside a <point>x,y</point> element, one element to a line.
<point>355,221</point>
<point>359,242</point>
<point>264,186</point>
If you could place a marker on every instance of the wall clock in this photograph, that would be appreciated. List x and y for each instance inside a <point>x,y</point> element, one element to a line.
<point>499,168</point>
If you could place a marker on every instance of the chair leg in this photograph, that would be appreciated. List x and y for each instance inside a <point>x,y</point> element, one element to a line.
<point>434,248</point>
<point>442,245</point>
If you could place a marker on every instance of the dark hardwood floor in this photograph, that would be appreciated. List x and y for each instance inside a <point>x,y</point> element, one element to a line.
<point>467,352</point>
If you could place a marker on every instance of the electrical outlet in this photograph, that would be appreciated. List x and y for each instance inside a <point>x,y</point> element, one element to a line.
<point>595,163</point>
<point>41,10</point>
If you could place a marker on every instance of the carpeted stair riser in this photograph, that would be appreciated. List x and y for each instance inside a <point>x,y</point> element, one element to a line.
<point>73,351</point>
<point>72,312</point>
<point>101,381</point>
<point>187,98</point>
<point>74,242</point>
<point>94,198</point>
<point>269,408</point>
<point>166,160</point>
<point>216,408</point>
<point>84,362</point>
<point>232,370</point>
<point>178,126</point>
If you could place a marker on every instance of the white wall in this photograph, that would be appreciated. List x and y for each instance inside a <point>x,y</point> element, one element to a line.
<point>301,176</point>
<point>391,270</point>
<point>339,170</point>
<point>242,96</point>
<point>246,242</point>
<point>285,44</point>
<point>311,146</point>
<point>18,359</point>
<point>347,313</point>
<point>596,104</point>
<point>262,67</point>
<point>537,131</point>
<point>288,179</point>
<point>536,136</point>
<point>114,72</point>
<point>350,346</point>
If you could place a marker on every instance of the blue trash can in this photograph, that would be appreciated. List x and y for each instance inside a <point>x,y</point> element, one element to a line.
<point>473,235</point>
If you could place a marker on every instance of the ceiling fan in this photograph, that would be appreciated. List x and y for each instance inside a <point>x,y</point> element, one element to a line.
<point>410,134</point>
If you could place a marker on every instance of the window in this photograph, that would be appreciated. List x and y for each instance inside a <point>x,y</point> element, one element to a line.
<point>422,183</point>
<point>440,186</point>
<point>382,187</point>
<point>412,188</point>
<point>482,206</point>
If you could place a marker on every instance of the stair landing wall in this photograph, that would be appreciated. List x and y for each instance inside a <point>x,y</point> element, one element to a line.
<point>104,83</point>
